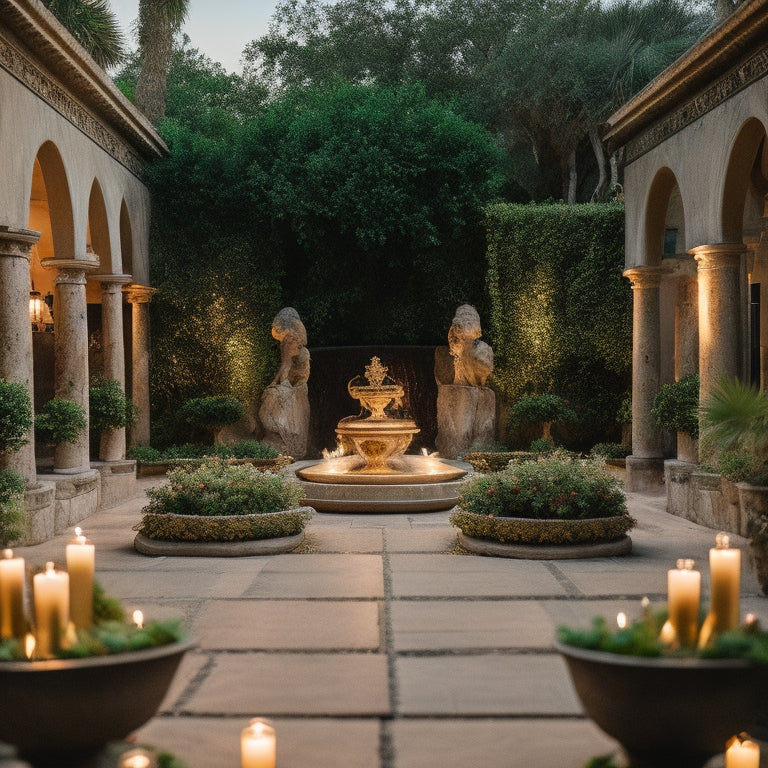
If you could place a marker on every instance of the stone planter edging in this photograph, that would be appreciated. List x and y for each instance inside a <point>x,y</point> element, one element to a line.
<point>158,547</point>
<point>546,551</point>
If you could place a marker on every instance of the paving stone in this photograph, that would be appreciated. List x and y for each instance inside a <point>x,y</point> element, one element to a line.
<point>138,585</point>
<point>307,743</point>
<point>438,539</point>
<point>462,624</point>
<point>455,575</point>
<point>294,684</point>
<point>337,539</point>
<point>329,576</point>
<point>498,744</point>
<point>487,684</point>
<point>272,624</point>
<point>191,666</point>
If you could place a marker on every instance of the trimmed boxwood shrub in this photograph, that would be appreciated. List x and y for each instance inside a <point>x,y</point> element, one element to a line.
<point>108,407</point>
<point>211,414</point>
<point>208,528</point>
<point>527,531</point>
<point>676,406</point>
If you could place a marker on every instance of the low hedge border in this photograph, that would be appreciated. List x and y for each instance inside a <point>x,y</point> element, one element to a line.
<point>519,530</point>
<point>223,528</point>
<point>148,468</point>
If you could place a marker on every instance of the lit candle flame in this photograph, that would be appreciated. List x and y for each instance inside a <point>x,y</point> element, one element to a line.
<point>722,540</point>
<point>138,619</point>
<point>50,569</point>
<point>621,619</point>
<point>29,645</point>
<point>685,564</point>
<point>645,603</point>
<point>424,452</point>
<point>8,554</point>
<point>750,619</point>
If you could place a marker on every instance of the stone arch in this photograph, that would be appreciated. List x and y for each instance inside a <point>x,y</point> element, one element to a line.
<point>664,208</point>
<point>97,237</point>
<point>745,152</point>
<point>126,239</point>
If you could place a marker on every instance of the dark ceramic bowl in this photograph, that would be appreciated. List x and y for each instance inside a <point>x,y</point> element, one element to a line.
<point>62,711</point>
<point>666,712</point>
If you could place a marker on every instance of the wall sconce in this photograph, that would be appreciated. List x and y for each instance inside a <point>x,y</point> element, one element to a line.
<point>39,312</point>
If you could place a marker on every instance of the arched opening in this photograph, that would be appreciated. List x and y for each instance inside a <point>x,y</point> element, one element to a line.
<point>664,219</point>
<point>50,213</point>
<point>126,240</point>
<point>745,220</point>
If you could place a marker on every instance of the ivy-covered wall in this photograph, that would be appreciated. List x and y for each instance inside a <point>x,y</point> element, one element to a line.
<point>561,312</point>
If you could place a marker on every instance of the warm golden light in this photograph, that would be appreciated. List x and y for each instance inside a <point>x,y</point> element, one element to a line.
<point>29,645</point>
<point>621,620</point>
<point>138,618</point>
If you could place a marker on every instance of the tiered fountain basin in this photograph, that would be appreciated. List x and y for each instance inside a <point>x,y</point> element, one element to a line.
<point>378,476</point>
<point>412,484</point>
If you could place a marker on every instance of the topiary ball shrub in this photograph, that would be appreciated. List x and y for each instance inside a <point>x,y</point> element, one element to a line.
<point>15,415</point>
<point>108,407</point>
<point>676,406</point>
<point>60,421</point>
<point>558,487</point>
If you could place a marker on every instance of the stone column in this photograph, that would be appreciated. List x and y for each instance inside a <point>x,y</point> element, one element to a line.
<point>16,362</point>
<point>645,467</point>
<point>720,313</point>
<point>686,341</point>
<point>71,353</point>
<point>112,443</point>
<point>139,297</point>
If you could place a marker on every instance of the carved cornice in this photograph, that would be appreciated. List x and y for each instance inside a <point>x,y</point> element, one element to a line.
<point>34,78</point>
<point>740,77</point>
<point>726,60</point>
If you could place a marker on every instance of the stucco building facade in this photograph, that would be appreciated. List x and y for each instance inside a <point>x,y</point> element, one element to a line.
<point>74,267</point>
<point>693,148</point>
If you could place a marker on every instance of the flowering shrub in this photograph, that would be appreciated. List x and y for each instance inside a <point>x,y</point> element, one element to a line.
<point>218,488</point>
<point>555,486</point>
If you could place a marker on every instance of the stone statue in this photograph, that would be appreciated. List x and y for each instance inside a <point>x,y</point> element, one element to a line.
<point>466,407</point>
<point>284,411</point>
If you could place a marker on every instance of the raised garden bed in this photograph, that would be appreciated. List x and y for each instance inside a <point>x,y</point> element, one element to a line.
<point>149,468</point>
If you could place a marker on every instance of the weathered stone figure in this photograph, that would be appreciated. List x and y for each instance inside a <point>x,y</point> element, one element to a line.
<point>466,407</point>
<point>284,411</point>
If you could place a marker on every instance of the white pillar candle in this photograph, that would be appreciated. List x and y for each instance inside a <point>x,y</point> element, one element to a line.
<point>12,620</point>
<point>258,745</point>
<point>683,594</point>
<point>80,564</point>
<point>742,753</point>
<point>51,591</point>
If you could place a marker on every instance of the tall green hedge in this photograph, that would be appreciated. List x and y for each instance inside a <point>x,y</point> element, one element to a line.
<point>561,312</point>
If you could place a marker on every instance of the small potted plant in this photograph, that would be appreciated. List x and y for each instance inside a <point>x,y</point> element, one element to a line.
<point>735,419</point>
<point>222,510</point>
<point>60,421</point>
<point>558,506</point>
<point>676,409</point>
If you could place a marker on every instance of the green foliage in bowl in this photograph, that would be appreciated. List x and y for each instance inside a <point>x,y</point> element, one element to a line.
<point>557,486</point>
<point>110,633</point>
<point>217,488</point>
<point>641,638</point>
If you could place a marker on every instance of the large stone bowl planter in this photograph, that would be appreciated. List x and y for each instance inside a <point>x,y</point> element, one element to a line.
<point>665,713</point>
<point>221,535</point>
<point>532,539</point>
<point>62,713</point>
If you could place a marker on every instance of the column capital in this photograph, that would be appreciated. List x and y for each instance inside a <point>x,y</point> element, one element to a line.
<point>718,255</point>
<point>139,294</point>
<point>71,270</point>
<point>17,242</point>
<point>111,283</point>
<point>644,276</point>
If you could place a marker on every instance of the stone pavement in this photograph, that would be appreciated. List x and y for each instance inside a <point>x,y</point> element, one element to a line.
<point>380,645</point>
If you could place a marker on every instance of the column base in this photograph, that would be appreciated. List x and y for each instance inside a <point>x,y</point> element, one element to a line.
<point>645,475</point>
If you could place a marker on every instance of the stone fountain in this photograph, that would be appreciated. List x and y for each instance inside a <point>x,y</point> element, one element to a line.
<point>370,460</point>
